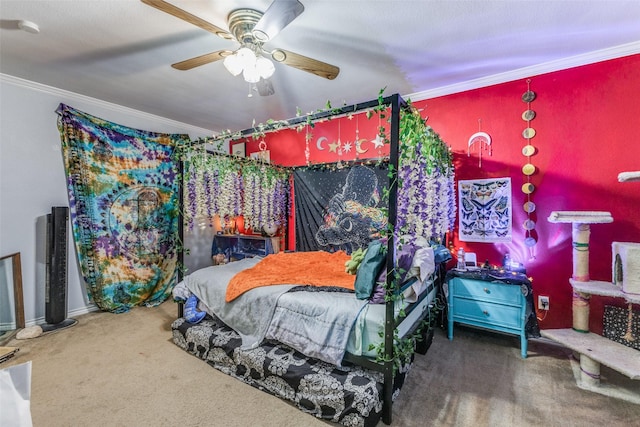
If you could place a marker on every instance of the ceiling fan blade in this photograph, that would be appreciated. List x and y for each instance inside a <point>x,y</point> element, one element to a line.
<point>304,63</point>
<point>277,16</point>
<point>186,16</point>
<point>201,60</point>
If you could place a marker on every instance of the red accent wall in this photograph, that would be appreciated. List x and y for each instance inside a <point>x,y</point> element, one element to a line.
<point>287,146</point>
<point>586,134</point>
<point>586,124</point>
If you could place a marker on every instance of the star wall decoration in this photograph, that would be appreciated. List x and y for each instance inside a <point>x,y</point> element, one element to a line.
<point>378,142</point>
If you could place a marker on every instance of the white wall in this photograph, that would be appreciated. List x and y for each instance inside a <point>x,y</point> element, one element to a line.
<point>32,180</point>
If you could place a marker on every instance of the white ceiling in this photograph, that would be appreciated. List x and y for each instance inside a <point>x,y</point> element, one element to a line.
<point>120,51</point>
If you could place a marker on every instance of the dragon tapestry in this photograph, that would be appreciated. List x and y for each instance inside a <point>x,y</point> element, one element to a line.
<point>339,209</point>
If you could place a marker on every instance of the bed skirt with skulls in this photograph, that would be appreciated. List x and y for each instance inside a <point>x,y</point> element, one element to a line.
<point>348,395</point>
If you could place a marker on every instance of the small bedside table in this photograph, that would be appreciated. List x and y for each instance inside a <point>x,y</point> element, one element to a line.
<point>482,300</point>
<point>240,246</point>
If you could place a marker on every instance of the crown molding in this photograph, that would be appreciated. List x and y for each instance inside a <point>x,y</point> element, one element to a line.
<point>543,68</point>
<point>546,67</point>
<point>50,90</point>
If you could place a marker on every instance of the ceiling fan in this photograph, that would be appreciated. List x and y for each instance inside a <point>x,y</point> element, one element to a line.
<point>251,28</point>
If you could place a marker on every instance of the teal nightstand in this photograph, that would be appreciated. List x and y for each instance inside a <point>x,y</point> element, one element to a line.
<point>487,304</point>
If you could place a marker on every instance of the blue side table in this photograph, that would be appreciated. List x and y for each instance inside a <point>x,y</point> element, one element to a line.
<point>485,301</point>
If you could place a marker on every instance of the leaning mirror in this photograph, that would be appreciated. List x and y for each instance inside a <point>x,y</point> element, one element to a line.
<point>11,303</point>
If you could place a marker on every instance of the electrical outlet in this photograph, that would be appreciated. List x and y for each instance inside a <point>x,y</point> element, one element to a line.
<point>543,302</point>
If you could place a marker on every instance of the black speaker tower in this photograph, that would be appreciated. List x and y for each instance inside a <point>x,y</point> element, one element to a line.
<point>56,274</point>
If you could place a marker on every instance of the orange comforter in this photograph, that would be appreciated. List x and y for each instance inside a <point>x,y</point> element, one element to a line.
<point>318,268</point>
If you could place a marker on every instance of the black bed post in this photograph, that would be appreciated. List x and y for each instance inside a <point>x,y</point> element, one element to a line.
<point>389,326</point>
<point>396,103</point>
<point>180,265</point>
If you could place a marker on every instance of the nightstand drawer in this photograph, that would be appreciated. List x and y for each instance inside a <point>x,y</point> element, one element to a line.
<point>486,291</point>
<point>493,316</point>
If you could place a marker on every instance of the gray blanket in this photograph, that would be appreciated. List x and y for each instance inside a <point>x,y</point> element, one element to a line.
<point>316,323</point>
<point>250,314</point>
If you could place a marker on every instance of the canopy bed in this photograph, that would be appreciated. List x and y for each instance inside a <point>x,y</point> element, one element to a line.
<point>337,345</point>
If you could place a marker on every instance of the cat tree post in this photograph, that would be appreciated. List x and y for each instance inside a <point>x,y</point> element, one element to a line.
<point>580,234</point>
<point>581,230</point>
<point>580,306</point>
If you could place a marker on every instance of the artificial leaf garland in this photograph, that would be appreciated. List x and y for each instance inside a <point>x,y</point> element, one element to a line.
<point>425,207</point>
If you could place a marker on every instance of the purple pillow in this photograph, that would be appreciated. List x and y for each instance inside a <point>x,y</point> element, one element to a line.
<point>405,258</point>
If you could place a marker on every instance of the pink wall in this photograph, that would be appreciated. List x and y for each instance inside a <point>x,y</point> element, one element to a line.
<point>586,123</point>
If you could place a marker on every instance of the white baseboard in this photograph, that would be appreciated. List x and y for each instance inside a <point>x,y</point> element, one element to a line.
<point>71,314</point>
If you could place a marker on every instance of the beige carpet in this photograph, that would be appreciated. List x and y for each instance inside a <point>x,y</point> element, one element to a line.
<point>124,370</point>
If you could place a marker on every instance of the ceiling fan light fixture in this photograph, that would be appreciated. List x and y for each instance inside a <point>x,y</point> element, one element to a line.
<point>251,29</point>
<point>246,57</point>
<point>232,64</point>
<point>251,74</point>
<point>265,67</point>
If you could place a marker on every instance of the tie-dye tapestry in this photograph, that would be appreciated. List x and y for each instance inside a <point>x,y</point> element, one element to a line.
<point>485,210</point>
<point>123,200</point>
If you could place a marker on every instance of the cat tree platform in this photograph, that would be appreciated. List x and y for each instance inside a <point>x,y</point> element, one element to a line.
<point>629,176</point>
<point>593,349</point>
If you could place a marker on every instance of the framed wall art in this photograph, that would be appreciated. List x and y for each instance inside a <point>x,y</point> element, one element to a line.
<point>485,210</point>
<point>238,149</point>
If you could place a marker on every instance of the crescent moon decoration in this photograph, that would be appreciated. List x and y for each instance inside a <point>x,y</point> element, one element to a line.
<point>319,143</point>
<point>359,149</point>
<point>483,140</point>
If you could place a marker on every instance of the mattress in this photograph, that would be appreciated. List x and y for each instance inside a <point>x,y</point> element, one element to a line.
<point>364,335</point>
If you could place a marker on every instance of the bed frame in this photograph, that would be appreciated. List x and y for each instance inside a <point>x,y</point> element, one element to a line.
<point>396,103</point>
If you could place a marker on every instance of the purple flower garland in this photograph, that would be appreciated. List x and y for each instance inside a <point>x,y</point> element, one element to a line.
<point>426,202</point>
<point>228,187</point>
